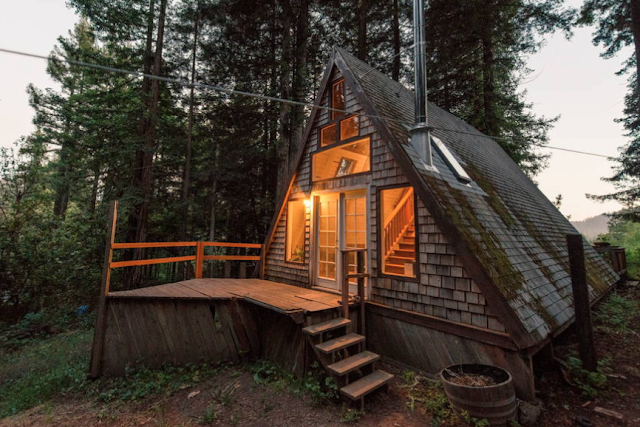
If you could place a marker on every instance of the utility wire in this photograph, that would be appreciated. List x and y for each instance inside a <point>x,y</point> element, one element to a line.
<point>281,100</point>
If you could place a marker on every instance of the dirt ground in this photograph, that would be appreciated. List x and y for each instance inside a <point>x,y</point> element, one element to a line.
<point>234,399</point>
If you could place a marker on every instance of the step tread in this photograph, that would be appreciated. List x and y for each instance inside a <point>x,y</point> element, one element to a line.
<point>365,385</point>
<point>327,326</point>
<point>339,343</point>
<point>390,264</point>
<point>352,363</point>
<point>402,258</point>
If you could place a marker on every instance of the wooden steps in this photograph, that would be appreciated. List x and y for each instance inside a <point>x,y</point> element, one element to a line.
<point>365,385</point>
<point>331,325</point>
<point>354,362</point>
<point>351,369</point>
<point>340,343</point>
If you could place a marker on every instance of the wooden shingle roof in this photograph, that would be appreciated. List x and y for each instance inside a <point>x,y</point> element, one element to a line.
<point>512,236</point>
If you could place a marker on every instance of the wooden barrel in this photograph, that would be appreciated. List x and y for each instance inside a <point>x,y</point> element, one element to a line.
<point>495,403</point>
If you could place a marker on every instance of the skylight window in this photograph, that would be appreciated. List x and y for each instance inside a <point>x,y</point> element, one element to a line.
<point>450,160</point>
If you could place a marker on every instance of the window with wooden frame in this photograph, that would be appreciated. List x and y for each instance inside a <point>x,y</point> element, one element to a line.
<point>397,246</point>
<point>328,135</point>
<point>340,130</point>
<point>342,160</point>
<point>349,127</point>
<point>337,99</point>
<point>296,227</point>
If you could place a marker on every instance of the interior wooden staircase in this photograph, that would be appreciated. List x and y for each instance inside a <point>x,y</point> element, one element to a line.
<point>343,355</point>
<point>404,250</point>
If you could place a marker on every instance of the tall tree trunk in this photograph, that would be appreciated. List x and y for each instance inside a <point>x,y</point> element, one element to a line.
<point>214,195</point>
<point>186,178</point>
<point>150,143</point>
<point>63,186</point>
<point>285,93</point>
<point>361,48</point>
<point>94,190</point>
<point>133,221</point>
<point>635,29</point>
<point>186,181</point>
<point>144,182</point>
<point>300,77</point>
<point>395,27</point>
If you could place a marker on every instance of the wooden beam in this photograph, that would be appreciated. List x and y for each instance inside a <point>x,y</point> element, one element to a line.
<point>233,245</point>
<point>345,284</point>
<point>486,336</point>
<point>581,305</point>
<point>199,260</point>
<point>152,245</point>
<point>263,259</point>
<point>101,320</point>
<point>361,293</point>
<point>136,262</point>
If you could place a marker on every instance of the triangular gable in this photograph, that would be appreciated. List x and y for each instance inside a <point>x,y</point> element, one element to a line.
<point>277,223</point>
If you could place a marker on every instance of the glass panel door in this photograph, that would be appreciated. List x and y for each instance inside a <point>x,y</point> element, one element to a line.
<point>327,239</point>
<point>355,227</point>
<point>341,224</point>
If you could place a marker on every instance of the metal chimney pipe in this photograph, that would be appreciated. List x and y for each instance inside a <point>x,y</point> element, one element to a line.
<point>420,138</point>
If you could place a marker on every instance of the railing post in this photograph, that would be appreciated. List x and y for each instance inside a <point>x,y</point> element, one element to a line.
<point>360,271</point>
<point>101,321</point>
<point>263,258</point>
<point>345,284</point>
<point>199,259</point>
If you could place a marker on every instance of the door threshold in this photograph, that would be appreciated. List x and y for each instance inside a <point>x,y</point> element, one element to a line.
<point>330,291</point>
<point>327,290</point>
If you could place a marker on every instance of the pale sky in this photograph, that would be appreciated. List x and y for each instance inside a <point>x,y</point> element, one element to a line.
<point>572,80</point>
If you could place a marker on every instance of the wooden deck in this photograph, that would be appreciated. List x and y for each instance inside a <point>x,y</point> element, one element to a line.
<point>276,296</point>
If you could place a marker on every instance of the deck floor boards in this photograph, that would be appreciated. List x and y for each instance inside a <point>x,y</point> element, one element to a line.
<point>278,296</point>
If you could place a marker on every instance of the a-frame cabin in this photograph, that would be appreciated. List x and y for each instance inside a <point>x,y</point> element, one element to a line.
<point>461,260</point>
<point>467,259</point>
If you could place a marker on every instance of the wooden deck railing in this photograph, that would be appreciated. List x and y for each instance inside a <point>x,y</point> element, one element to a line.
<point>109,264</point>
<point>360,275</point>
<point>199,257</point>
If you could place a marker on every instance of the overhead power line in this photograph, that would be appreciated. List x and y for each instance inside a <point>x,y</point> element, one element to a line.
<point>276,99</point>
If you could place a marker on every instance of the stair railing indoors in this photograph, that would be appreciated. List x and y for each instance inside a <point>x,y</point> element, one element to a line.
<point>400,218</point>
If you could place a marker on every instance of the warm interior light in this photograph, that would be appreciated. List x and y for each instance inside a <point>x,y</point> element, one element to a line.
<point>307,203</point>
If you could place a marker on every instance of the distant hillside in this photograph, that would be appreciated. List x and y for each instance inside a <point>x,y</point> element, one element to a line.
<point>592,227</point>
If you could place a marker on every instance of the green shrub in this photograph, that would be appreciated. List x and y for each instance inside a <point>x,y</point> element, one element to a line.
<point>315,383</point>
<point>34,374</point>
<point>616,313</point>
<point>589,383</point>
<point>139,383</point>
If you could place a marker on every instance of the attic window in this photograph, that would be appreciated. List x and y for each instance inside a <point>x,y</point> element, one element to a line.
<point>345,159</point>
<point>328,135</point>
<point>450,160</point>
<point>337,99</point>
<point>340,130</point>
<point>349,128</point>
